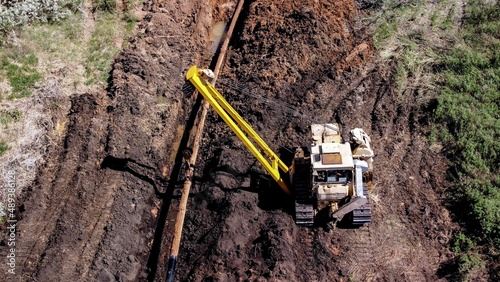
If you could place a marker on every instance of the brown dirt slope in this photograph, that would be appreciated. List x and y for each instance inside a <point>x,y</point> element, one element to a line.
<point>315,56</point>
<point>91,213</point>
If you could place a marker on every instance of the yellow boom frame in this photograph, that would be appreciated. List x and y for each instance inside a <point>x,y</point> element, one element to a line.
<point>239,126</point>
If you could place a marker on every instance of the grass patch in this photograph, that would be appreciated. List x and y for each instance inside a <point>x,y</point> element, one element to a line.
<point>21,73</point>
<point>467,264</point>
<point>448,21</point>
<point>3,147</point>
<point>385,31</point>
<point>467,122</point>
<point>60,51</point>
<point>110,25</point>
<point>458,61</point>
<point>101,49</point>
<point>8,117</point>
<point>403,35</point>
<point>44,48</point>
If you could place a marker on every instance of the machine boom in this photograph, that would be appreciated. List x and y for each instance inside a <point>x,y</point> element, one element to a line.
<point>272,164</point>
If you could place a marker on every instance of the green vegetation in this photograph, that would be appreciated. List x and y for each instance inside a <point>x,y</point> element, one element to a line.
<point>61,42</point>
<point>386,29</point>
<point>101,49</point>
<point>467,263</point>
<point>467,121</point>
<point>104,5</point>
<point>56,41</point>
<point>3,147</point>
<point>109,26</point>
<point>102,46</point>
<point>7,117</point>
<point>448,21</point>
<point>21,73</point>
<point>399,39</point>
<point>468,260</point>
<point>456,60</point>
<point>462,243</point>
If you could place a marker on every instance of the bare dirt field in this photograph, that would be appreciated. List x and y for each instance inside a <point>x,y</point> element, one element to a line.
<point>98,209</point>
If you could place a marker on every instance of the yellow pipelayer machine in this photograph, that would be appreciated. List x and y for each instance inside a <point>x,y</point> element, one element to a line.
<point>329,177</point>
<point>233,119</point>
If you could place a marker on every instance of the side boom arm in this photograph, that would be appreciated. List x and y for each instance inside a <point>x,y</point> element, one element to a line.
<point>239,126</point>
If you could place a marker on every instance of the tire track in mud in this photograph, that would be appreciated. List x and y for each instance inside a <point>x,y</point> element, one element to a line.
<point>309,242</point>
<point>62,194</point>
<point>362,250</point>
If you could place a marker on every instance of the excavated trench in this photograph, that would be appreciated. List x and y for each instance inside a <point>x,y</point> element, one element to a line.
<point>99,208</point>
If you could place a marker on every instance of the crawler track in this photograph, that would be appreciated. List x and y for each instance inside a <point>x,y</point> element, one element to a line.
<point>363,215</point>
<point>304,204</point>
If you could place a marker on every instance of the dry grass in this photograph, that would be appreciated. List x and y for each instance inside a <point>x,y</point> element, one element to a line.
<point>410,34</point>
<point>29,136</point>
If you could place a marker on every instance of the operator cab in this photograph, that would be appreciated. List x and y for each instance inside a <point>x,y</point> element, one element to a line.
<point>332,176</point>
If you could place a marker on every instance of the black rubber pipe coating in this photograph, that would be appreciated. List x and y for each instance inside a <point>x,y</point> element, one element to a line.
<point>171,268</point>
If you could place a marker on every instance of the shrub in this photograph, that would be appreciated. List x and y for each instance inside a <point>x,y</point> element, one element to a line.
<point>14,13</point>
<point>98,58</point>
<point>462,243</point>
<point>467,263</point>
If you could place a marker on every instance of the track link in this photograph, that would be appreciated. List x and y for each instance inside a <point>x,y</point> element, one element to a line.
<point>363,215</point>
<point>301,179</point>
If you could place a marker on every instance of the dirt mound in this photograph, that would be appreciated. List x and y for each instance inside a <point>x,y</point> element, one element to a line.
<point>293,41</point>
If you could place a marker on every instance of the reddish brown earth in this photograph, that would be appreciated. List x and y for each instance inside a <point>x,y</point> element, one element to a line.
<point>97,209</point>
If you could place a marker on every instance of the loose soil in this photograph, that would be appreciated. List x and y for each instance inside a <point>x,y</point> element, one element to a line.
<point>319,59</point>
<point>98,209</point>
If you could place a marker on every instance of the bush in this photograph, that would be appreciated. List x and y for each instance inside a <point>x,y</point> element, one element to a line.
<point>467,263</point>
<point>14,13</point>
